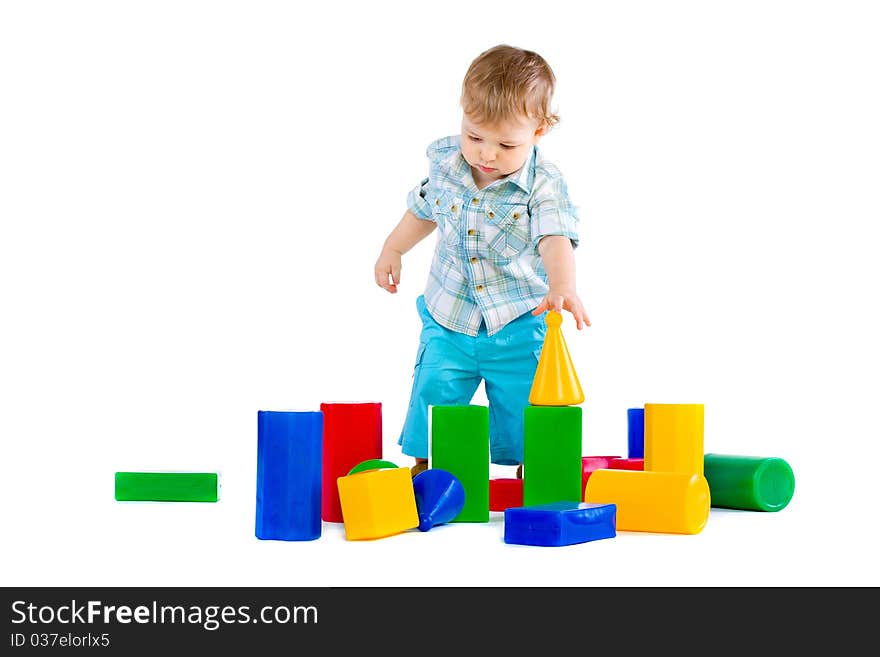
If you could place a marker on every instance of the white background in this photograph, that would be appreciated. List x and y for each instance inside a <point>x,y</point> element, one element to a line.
<point>193,195</point>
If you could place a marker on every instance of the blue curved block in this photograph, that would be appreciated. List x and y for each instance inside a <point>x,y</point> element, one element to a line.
<point>439,497</point>
<point>559,523</point>
<point>289,451</point>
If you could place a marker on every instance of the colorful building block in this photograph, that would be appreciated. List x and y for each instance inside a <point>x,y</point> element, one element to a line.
<point>674,438</point>
<point>289,447</point>
<point>635,432</point>
<point>752,483</point>
<point>559,523</point>
<point>556,382</point>
<point>166,486</point>
<point>352,434</point>
<point>660,502</point>
<point>459,444</point>
<point>627,464</point>
<point>504,493</point>
<point>591,463</point>
<point>552,445</point>
<point>377,503</point>
<point>439,497</point>
<point>372,464</point>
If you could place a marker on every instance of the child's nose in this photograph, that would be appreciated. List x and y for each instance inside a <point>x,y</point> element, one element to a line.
<point>488,154</point>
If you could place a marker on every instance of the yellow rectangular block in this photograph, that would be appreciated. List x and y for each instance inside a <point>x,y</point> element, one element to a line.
<point>660,502</point>
<point>674,438</point>
<point>377,503</point>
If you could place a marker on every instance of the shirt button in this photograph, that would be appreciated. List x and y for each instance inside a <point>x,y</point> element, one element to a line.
<point>455,208</point>
<point>471,231</point>
<point>475,201</point>
<point>473,259</point>
<point>479,288</point>
<point>437,202</point>
<point>491,215</point>
<point>515,216</point>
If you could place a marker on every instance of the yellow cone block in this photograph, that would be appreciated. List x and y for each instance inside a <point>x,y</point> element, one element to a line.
<point>377,503</point>
<point>660,502</point>
<point>556,382</point>
<point>674,438</point>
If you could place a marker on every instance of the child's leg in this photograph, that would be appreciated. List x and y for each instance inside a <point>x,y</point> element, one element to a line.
<point>508,361</point>
<point>445,374</point>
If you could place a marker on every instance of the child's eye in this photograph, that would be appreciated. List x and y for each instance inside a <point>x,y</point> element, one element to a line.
<point>472,138</point>
<point>507,146</point>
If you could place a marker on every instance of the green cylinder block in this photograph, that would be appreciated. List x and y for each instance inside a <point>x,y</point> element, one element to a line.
<point>751,483</point>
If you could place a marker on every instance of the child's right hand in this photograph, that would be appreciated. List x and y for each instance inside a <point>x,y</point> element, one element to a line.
<point>387,270</point>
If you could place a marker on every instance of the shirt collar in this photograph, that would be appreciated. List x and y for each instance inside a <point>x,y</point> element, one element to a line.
<point>524,178</point>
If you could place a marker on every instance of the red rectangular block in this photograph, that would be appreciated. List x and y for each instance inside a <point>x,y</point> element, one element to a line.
<point>505,493</point>
<point>352,434</point>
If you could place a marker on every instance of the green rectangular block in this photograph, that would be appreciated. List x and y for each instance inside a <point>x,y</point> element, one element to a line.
<point>460,445</point>
<point>552,448</point>
<point>166,486</point>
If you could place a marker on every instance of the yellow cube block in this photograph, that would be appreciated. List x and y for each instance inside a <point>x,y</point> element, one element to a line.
<point>377,503</point>
<point>674,438</point>
<point>659,502</point>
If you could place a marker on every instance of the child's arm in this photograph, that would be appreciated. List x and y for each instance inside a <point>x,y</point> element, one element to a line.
<point>558,256</point>
<point>410,231</point>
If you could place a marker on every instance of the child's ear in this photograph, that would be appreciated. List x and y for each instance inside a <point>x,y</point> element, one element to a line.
<point>541,130</point>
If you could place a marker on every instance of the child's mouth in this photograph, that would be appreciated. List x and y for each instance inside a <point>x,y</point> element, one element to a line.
<point>485,169</point>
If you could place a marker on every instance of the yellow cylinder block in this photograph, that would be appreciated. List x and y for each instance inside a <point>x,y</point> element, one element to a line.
<point>660,502</point>
<point>674,438</point>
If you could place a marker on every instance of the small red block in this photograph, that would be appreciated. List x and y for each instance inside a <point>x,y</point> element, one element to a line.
<point>505,493</point>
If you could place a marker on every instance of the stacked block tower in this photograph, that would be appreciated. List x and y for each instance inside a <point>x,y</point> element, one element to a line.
<point>553,424</point>
<point>552,513</point>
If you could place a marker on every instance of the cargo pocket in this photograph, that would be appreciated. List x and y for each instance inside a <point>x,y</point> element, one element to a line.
<point>419,354</point>
<point>416,375</point>
<point>537,354</point>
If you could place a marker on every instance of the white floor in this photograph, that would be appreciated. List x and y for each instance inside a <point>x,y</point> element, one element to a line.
<point>194,195</point>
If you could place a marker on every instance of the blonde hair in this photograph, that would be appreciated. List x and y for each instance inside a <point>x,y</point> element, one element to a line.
<point>505,83</point>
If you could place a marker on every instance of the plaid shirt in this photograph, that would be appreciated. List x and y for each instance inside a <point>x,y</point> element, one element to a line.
<point>486,264</point>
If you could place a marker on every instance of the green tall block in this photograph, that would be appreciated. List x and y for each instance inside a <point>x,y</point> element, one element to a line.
<point>552,447</point>
<point>460,445</point>
<point>166,486</point>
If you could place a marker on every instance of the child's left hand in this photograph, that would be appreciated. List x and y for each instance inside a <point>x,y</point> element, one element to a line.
<point>560,300</point>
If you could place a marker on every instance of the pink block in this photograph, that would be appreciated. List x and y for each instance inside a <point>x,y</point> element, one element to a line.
<point>590,463</point>
<point>627,464</point>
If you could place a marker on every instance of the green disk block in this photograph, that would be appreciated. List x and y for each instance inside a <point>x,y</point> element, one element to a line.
<point>552,447</point>
<point>166,486</point>
<point>372,464</point>
<point>751,483</point>
<point>460,445</point>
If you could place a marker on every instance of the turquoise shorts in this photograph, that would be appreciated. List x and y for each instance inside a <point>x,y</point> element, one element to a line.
<point>449,368</point>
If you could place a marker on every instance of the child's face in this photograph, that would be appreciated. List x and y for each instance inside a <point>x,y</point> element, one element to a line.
<point>497,150</point>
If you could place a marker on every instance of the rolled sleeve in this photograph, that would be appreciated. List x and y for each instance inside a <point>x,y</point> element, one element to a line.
<point>417,203</point>
<point>552,212</point>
